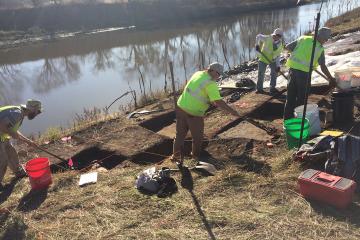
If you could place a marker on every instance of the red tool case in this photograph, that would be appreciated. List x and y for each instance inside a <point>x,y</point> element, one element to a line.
<point>334,190</point>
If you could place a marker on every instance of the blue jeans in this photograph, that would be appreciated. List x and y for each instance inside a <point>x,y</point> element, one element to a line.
<point>261,75</point>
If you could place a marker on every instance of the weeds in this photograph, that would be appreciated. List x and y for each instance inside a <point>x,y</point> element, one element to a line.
<point>346,23</point>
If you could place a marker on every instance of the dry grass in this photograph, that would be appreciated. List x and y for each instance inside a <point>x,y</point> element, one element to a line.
<point>236,205</point>
<point>346,23</point>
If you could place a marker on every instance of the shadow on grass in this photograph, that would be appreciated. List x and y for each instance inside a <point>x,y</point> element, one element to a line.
<point>350,214</point>
<point>188,183</point>
<point>15,230</point>
<point>249,164</point>
<point>5,194</point>
<point>32,200</point>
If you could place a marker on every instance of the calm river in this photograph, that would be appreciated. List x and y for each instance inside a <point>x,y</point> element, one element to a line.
<point>90,71</point>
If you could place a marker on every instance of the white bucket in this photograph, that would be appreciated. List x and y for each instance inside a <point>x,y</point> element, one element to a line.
<point>343,78</point>
<point>312,114</point>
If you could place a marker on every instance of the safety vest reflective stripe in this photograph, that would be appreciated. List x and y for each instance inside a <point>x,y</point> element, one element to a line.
<point>197,96</point>
<point>268,50</point>
<point>196,92</point>
<point>303,62</point>
<point>4,137</point>
<point>300,57</point>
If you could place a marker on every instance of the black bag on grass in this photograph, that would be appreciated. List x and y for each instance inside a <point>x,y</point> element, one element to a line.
<point>152,181</point>
<point>346,163</point>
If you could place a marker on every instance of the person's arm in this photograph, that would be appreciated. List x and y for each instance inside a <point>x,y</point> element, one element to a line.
<point>223,106</point>
<point>277,61</point>
<point>330,78</point>
<point>260,38</point>
<point>325,70</point>
<point>213,93</point>
<point>291,46</point>
<point>5,127</point>
<point>26,140</point>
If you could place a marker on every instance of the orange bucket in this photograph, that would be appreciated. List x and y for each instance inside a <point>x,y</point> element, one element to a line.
<point>38,170</point>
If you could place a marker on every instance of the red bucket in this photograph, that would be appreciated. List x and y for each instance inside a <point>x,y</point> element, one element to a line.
<point>38,170</point>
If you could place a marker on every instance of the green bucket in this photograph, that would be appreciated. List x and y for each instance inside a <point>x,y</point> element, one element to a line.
<point>292,128</point>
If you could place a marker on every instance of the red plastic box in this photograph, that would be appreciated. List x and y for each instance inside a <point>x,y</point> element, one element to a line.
<point>334,190</point>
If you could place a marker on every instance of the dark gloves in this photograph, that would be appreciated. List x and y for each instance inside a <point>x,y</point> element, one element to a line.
<point>257,47</point>
<point>277,69</point>
<point>332,82</point>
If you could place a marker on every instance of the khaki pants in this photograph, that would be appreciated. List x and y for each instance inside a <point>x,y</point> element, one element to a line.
<point>8,158</point>
<point>184,123</point>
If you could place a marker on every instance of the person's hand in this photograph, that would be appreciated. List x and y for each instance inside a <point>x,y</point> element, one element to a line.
<point>332,82</point>
<point>257,47</point>
<point>277,69</point>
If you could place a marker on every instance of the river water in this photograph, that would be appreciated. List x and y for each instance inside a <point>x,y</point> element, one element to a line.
<point>89,71</point>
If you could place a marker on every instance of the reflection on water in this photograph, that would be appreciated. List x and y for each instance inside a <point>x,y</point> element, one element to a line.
<point>86,71</point>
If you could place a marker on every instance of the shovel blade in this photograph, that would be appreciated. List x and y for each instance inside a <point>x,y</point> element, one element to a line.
<point>208,167</point>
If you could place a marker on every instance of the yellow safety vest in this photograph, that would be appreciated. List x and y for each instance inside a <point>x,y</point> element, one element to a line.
<point>300,57</point>
<point>4,136</point>
<point>268,50</point>
<point>194,99</point>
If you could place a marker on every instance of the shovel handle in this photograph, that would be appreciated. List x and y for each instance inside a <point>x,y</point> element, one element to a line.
<point>271,62</point>
<point>51,154</point>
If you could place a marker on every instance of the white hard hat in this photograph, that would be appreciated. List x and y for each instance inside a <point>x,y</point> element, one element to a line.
<point>217,67</point>
<point>278,31</point>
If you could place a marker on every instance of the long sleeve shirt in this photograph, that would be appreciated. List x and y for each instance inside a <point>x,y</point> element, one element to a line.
<point>260,39</point>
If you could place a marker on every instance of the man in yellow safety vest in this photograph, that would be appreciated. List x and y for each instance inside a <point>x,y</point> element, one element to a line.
<point>269,48</point>
<point>200,91</point>
<point>11,118</point>
<point>299,64</point>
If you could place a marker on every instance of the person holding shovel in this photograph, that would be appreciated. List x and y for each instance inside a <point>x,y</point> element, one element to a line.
<point>299,64</point>
<point>269,48</point>
<point>200,92</point>
<point>11,118</point>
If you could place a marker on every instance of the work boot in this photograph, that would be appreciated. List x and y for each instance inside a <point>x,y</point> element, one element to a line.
<point>259,91</point>
<point>176,159</point>
<point>20,173</point>
<point>274,91</point>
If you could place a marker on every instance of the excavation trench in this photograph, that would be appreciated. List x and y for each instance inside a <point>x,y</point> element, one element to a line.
<point>92,155</point>
<point>158,122</point>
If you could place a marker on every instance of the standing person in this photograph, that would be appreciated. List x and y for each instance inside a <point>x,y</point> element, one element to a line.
<point>271,46</point>
<point>199,93</point>
<point>11,118</point>
<point>299,64</point>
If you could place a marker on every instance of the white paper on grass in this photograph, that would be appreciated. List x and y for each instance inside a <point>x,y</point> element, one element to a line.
<point>88,178</point>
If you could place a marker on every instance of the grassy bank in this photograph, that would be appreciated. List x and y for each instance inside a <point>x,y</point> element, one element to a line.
<point>235,204</point>
<point>346,23</point>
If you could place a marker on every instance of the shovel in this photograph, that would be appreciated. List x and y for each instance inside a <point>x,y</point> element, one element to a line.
<point>51,154</point>
<point>203,167</point>
<point>262,54</point>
